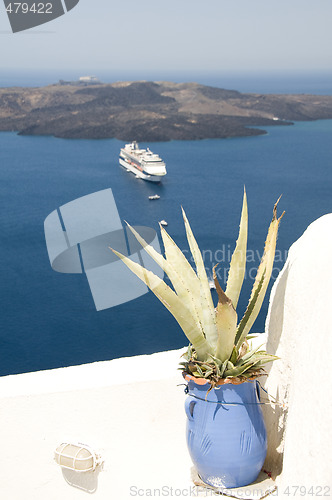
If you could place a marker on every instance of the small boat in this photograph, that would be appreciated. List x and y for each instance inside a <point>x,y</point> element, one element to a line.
<point>211,284</point>
<point>154,197</point>
<point>163,223</point>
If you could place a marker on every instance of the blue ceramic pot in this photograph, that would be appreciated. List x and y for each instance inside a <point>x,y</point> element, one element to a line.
<point>226,434</point>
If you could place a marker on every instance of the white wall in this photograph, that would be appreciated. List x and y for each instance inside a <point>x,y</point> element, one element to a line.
<point>299,331</point>
<point>132,413</point>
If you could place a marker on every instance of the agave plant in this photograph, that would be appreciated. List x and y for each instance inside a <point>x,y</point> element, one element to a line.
<point>219,349</point>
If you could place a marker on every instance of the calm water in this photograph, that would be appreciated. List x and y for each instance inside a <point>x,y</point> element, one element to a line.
<point>49,320</point>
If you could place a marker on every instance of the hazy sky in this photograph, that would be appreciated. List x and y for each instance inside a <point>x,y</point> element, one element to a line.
<point>187,35</point>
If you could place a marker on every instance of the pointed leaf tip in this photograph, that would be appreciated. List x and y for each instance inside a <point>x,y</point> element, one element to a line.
<point>223,299</point>
<point>275,210</point>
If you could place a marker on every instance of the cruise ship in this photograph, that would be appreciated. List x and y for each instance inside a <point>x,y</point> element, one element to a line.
<point>142,162</point>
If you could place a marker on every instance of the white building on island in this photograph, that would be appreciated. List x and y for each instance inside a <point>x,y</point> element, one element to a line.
<point>88,79</point>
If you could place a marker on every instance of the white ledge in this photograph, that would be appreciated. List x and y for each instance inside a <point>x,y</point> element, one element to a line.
<point>157,366</point>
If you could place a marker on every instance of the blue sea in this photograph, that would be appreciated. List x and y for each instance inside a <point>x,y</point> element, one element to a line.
<point>49,319</point>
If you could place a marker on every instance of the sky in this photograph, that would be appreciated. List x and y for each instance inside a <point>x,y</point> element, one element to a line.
<point>151,36</point>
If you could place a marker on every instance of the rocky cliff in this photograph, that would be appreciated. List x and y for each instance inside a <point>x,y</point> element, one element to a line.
<point>150,111</point>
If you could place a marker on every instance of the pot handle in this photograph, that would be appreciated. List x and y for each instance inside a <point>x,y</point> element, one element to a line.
<point>189,407</point>
<point>258,391</point>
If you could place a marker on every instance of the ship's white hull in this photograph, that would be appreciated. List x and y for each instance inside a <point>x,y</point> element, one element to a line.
<point>128,166</point>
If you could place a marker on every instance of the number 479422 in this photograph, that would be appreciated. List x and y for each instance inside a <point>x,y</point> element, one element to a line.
<point>317,491</point>
<point>24,8</point>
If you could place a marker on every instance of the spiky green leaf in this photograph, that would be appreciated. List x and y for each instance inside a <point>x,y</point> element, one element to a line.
<point>250,353</point>
<point>234,356</point>
<point>238,262</point>
<point>241,333</point>
<point>201,308</point>
<point>223,369</point>
<point>208,309</point>
<point>226,319</point>
<point>262,278</point>
<point>185,286</point>
<point>173,303</point>
<point>238,370</point>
